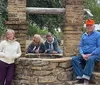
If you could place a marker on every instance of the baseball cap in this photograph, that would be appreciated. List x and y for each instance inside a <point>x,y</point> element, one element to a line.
<point>90,22</point>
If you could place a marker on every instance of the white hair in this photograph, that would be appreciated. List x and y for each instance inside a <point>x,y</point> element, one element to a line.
<point>10,30</point>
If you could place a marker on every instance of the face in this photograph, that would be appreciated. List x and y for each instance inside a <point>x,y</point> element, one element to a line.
<point>10,35</point>
<point>90,28</point>
<point>36,39</point>
<point>49,39</point>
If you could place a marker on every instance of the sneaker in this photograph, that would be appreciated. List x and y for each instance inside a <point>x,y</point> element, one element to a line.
<point>79,81</point>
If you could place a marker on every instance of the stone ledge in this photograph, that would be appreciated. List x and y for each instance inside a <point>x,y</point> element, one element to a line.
<point>32,55</point>
<point>63,59</point>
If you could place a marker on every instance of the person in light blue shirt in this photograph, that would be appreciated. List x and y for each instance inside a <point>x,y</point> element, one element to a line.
<point>89,50</point>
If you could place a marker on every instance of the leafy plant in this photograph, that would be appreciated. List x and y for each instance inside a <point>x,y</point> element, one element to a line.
<point>51,22</point>
<point>34,29</point>
<point>1,25</point>
<point>94,7</point>
<point>3,15</point>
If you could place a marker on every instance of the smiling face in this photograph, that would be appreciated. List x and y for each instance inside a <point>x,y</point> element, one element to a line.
<point>90,25</point>
<point>10,34</point>
<point>90,28</point>
<point>36,39</point>
<point>49,39</point>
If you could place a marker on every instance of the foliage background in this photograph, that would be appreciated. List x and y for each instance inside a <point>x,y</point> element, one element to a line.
<point>50,22</point>
<point>43,23</point>
<point>94,6</point>
<point>3,15</point>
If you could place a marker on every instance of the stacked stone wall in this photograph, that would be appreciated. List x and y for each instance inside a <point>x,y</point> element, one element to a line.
<point>37,71</point>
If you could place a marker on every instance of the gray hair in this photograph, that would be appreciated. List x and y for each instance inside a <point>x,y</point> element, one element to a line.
<point>9,30</point>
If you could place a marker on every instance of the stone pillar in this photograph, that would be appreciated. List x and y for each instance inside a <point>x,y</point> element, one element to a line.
<point>17,20</point>
<point>73,27</point>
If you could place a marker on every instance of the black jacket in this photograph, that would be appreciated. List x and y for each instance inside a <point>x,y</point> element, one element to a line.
<point>32,48</point>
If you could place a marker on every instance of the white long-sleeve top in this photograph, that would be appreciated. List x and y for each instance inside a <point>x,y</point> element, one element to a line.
<point>9,51</point>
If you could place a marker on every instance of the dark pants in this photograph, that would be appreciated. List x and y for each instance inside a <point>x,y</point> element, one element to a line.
<point>6,73</point>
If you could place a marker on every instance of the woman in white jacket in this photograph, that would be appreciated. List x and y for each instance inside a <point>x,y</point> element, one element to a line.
<point>9,50</point>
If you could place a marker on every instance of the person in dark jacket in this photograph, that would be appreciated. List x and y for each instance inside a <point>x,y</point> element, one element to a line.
<point>37,45</point>
<point>51,45</point>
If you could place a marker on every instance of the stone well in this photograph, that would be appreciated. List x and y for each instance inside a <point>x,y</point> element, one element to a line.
<point>43,71</point>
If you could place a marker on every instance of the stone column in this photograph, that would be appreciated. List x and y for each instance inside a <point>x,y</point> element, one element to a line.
<point>73,26</point>
<point>17,20</point>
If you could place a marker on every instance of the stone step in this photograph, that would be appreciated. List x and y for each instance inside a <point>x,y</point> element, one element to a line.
<point>83,84</point>
<point>96,78</point>
<point>74,83</point>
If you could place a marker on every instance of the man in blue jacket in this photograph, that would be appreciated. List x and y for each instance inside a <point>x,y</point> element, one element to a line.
<point>51,45</point>
<point>89,53</point>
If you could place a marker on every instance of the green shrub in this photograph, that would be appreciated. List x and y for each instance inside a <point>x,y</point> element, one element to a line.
<point>34,29</point>
<point>1,25</point>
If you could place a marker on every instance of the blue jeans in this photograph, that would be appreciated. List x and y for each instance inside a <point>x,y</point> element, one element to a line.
<point>78,62</point>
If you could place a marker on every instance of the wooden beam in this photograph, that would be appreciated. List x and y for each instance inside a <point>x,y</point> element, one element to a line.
<point>34,10</point>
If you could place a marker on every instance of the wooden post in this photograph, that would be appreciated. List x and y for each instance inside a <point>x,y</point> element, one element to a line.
<point>35,10</point>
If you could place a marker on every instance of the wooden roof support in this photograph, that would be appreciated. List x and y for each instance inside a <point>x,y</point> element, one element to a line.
<point>34,10</point>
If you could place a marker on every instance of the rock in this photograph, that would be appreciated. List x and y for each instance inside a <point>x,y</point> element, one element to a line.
<point>47,79</point>
<point>42,73</point>
<point>96,78</point>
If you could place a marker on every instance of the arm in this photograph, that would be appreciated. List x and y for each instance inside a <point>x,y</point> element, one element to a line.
<point>2,54</point>
<point>85,56</point>
<point>18,52</point>
<point>47,50</point>
<point>42,48</point>
<point>97,50</point>
<point>57,47</point>
<point>80,47</point>
<point>30,48</point>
